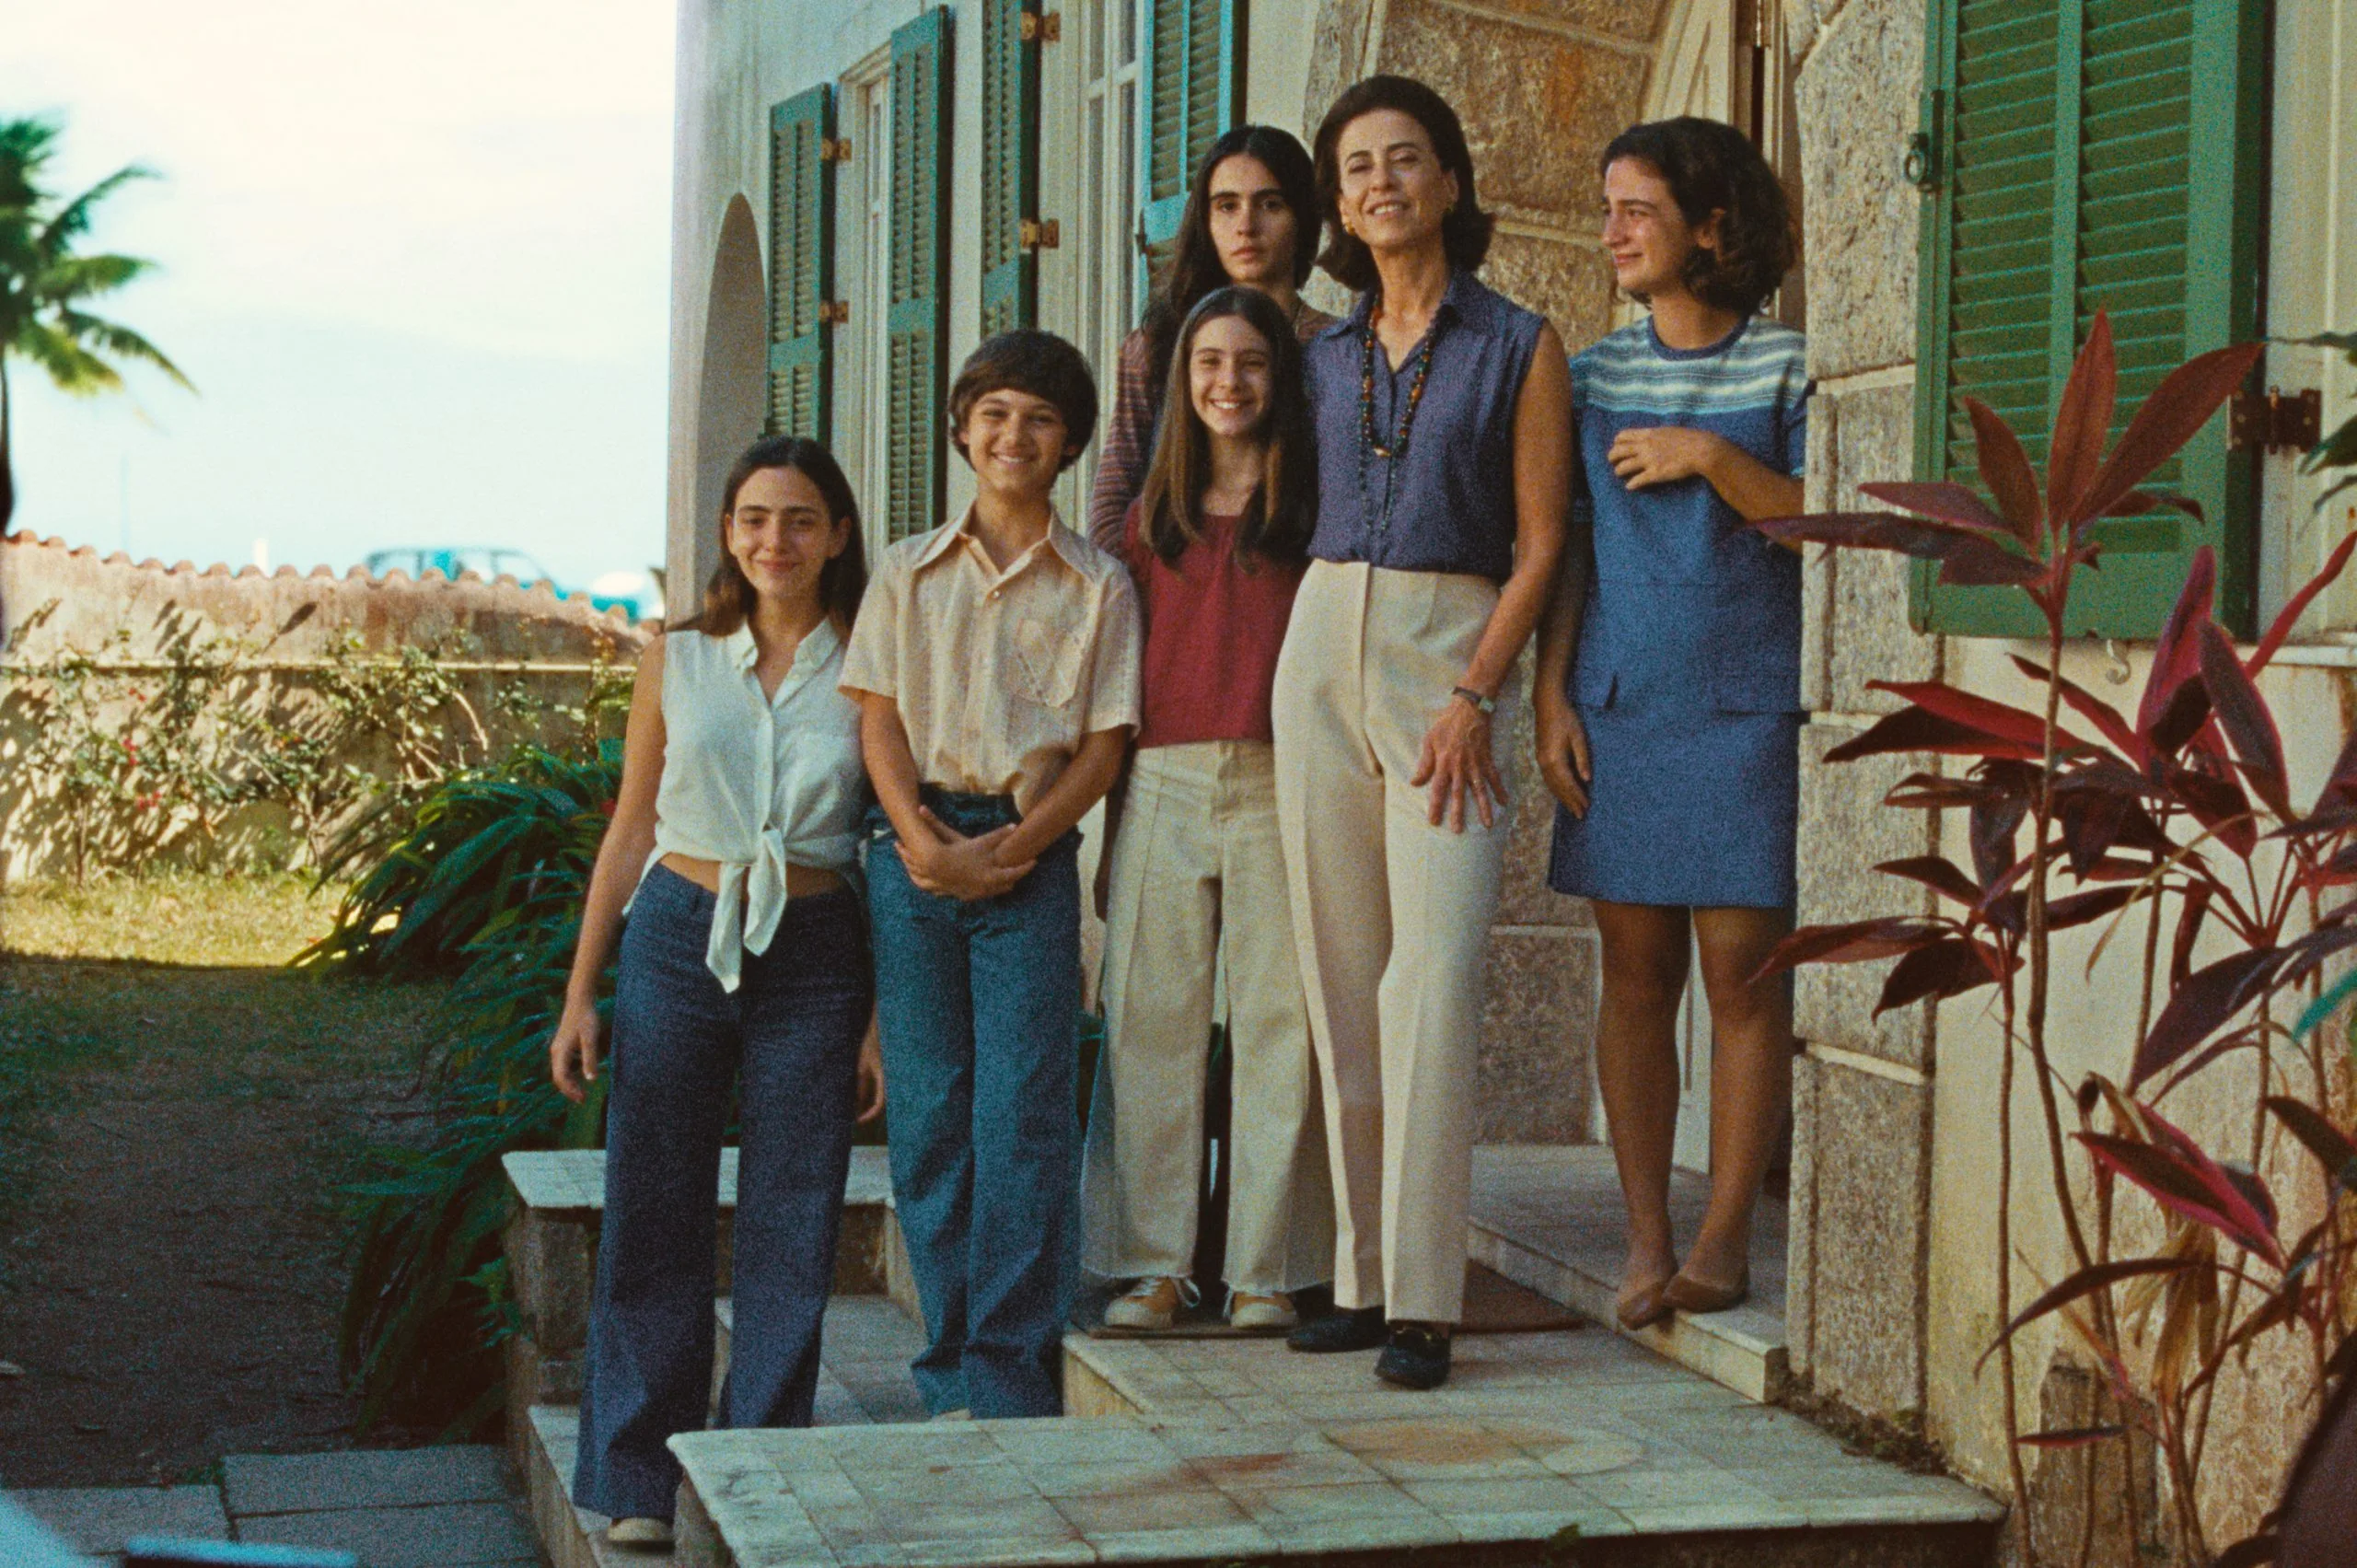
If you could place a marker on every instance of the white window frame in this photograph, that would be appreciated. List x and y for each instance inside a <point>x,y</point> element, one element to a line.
<point>1091,284</point>
<point>862,256</point>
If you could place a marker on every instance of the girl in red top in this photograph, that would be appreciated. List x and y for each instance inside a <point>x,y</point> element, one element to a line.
<point>1216,541</point>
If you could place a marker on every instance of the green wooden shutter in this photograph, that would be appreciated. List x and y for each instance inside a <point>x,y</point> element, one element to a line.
<point>917,306</point>
<point>802,263</point>
<point>1193,89</point>
<point>2090,155</point>
<point>1010,165</point>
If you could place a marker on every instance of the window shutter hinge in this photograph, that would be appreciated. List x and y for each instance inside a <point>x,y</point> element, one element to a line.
<point>1039,26</point>
<point>1918,164</point>
<point>1921,167</point>
<point>2276,422</point>
<point>834,150</point>
<point>835,312</point>
<point>1039,236</point>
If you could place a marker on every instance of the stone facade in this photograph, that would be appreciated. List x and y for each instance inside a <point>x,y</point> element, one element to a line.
<point>1543,86</point>
<point>1896,1182</point>
<point>1863,1102</point>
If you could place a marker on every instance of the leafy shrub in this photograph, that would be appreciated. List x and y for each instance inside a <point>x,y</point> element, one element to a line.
<point>2182,808</point>
<point>487,882</point>
<point>130,757</point>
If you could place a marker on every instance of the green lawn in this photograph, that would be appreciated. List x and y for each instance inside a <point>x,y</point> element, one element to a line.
<point>180,1116</point>
<point>179,981</point>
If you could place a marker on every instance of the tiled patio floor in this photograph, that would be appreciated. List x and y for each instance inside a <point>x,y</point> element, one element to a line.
<point>1241,1449</point>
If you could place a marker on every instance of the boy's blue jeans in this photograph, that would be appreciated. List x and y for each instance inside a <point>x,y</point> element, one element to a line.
<point>979,1006</point>
<point>787,1039</point>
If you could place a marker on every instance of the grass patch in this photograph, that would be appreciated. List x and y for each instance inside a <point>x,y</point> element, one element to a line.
<point>176,985</point>
<point>168,918</point>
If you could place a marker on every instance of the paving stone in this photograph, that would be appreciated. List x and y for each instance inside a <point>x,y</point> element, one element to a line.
<point>1442,1449</point>
<point>1344,1519</point>
<point>1516,1510</point>
<point>295,1483</point>
<point>450,1535</point>
<point>101,1519</point>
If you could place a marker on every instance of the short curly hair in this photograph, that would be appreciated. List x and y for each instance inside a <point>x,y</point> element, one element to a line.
<point>1027,360</point>
<point>1464,233</point>
<point>1712,167</point>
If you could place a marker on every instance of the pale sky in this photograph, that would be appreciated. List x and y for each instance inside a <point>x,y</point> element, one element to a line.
<point>414,257</point>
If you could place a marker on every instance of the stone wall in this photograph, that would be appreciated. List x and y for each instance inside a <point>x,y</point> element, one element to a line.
<point>504,640</point>
<point>1863,1096</point>
<point>1543,86</point>
<point>1893,1297</point>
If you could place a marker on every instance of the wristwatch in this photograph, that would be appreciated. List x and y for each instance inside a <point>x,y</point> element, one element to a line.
<point>1483,705</point>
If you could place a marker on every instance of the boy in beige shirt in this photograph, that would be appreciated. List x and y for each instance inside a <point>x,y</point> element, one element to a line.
<point>995,662</point>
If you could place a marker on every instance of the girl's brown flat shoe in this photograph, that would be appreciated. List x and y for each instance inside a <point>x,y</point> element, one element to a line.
<point>1692,1295</point>
<point>1643,1308</point>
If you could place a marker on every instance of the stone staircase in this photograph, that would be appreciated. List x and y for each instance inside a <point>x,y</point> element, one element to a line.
<point>1561,1446</point>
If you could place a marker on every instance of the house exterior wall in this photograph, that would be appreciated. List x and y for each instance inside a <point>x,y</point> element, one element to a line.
<point>1542,83</point>
<point>1896,1170</point>
<point>1892,1300</point>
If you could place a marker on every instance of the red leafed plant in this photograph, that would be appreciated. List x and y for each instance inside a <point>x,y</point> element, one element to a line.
<point>2178,817</point>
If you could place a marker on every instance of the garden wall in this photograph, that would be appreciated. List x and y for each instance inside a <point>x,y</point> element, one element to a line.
<point>150,711</point>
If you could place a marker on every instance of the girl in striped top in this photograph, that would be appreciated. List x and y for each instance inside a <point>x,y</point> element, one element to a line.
<point>1669,712</point>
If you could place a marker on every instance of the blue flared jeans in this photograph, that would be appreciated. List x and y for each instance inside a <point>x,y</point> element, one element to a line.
<point>979,1007</point>
<point>787,1039</point>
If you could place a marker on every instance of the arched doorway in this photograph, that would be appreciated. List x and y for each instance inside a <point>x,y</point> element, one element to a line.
<point>728,396</point>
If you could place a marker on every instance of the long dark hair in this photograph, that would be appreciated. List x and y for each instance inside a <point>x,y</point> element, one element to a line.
<point>1195,267</point>
<point>1276,525</point>
<point>1712,167</point>
<point>1464,233</point>
<point>728,598</point>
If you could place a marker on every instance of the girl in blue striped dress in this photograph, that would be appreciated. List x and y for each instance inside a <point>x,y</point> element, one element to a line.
<point>1669,712</point>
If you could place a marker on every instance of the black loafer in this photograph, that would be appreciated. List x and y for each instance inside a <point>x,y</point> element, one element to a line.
<point>1417,1357</point>
<point>1346,1328</point>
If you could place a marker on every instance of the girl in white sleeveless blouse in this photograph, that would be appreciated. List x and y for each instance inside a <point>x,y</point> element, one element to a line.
<point>744,964</point>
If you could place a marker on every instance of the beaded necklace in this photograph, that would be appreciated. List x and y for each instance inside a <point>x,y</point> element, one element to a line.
<point>1395,450</point>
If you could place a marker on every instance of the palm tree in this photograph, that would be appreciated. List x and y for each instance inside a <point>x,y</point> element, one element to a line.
<point>44,286</point>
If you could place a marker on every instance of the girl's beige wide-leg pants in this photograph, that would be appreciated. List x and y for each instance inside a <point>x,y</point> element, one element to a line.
<point>1198,880</point>
<point>1392,919</point>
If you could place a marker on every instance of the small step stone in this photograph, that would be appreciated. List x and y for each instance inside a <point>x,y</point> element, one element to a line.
<point>572,1536</point>
<point>446,1535</point>
<point>101,1520</point>
<point>442,1507</point>
<point>395,1478</point>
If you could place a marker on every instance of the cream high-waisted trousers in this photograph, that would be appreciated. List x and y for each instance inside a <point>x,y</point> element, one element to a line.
<point>1392,917</point>
<point>1198,877</point>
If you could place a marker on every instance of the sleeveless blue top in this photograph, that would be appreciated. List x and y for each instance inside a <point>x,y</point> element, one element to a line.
<point>1450,494</point>
<point>1689,608</point>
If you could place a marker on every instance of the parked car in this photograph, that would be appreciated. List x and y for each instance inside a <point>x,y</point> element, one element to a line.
<point>638,594</point>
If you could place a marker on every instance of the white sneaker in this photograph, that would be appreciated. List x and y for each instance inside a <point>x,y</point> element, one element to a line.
<point>1246,1310</point>
<point>1151,1303</point>
<point>647,1535</point>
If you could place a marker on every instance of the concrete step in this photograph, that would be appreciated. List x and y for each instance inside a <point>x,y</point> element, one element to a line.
<point>1549,1217</point>
<point>557,1197</point>
<point>1226,1451</point>
<point>864,1351</point>
<point>572,1536</point>
<point>864,1348</point>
